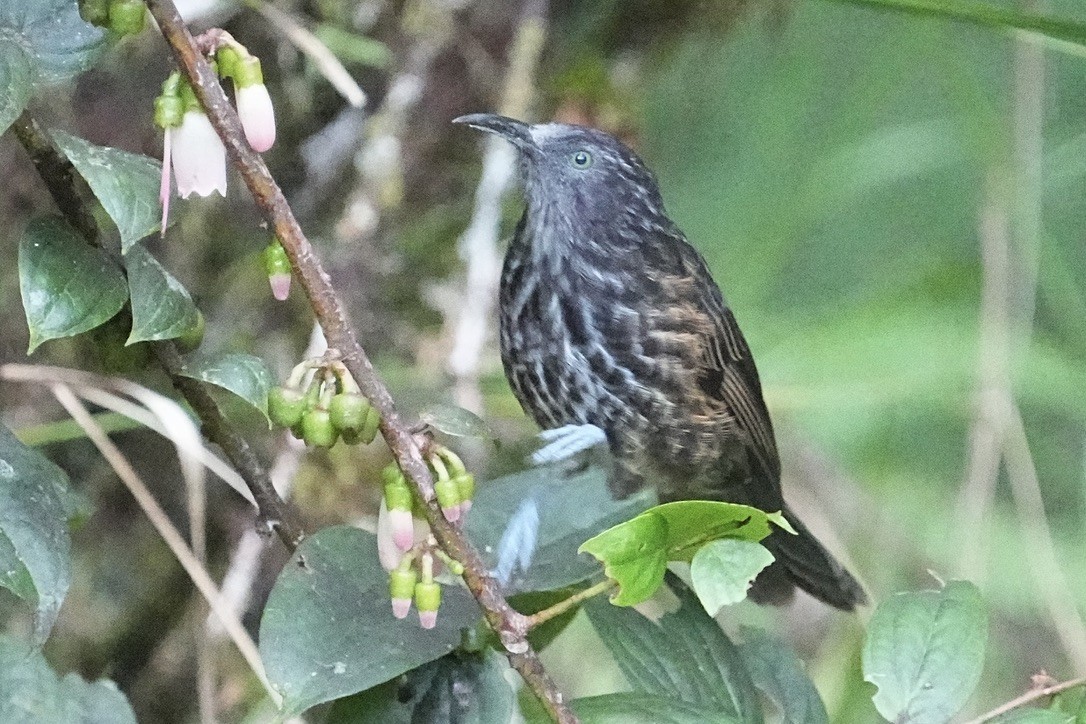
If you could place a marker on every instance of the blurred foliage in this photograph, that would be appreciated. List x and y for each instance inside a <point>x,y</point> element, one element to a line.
<point>833,163</point>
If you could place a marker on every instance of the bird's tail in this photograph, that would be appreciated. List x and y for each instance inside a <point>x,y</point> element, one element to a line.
<point>802,561</point>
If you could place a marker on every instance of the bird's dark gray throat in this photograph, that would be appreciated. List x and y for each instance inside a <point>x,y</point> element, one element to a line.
<point>610,317</point>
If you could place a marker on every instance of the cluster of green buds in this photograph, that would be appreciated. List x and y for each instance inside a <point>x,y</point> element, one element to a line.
<point>277,267</point>
<point>321,403</point>
<point>123,17</point>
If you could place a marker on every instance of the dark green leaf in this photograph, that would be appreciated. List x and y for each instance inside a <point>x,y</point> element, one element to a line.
<point>16,78</point>
<point>328,630</point>
<point>51,32</point>
<point>925,652</point>
<point>722,571</point>
<point>161,307</point>
<point>126,184</point>
<point>467,688</point>
<point>30,693</point>
<point>986,15</point>
<point>779,674</point>
<point>35,555</point>
<point>243,374</point>
<point>457,421</point>
<point>572,508</point>
<point>1036,716</point>
<point>68,286</point>
<point>635,555</point>
<point>645,709</point>
<point>685,657</point>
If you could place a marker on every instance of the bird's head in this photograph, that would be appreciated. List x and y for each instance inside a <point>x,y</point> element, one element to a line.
<point>577,173</point>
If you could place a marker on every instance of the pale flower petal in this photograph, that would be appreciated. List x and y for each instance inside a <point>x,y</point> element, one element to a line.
<point>164,183</point>
<point>257,116</point>
<point>199,158</point>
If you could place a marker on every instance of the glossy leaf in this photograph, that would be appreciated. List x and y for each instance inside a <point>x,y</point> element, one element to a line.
<point>328,630</point>
<point>17,80</point>
<point>126,184</point>
<point>685,656</point>
<point>459,687</point>
<point>243,374</point>
<point>456,421</point>
<point>35,549</point>
<point>722,571</point>
<point>645,709</point>
<point>779,674</point>
<point>161,306</point>
<point>925,652</point>
<point>32,693</point>
<point>636,552</point>
<point>68,286</point>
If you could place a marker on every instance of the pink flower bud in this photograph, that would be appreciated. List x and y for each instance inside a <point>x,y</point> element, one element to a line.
<point>257,115</point>
<point>401,607</point>
<point>428,619</point>
<point>280,286</point>
<point>199,158</point>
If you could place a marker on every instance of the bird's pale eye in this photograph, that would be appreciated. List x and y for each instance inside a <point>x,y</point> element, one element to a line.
<point>581,159</point>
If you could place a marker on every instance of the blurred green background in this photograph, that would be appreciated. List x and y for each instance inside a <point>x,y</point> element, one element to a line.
<point>892,204</point>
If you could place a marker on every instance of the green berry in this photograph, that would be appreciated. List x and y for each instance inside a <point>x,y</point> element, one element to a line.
<point>317,428</point>
<point>348,411</point>
<point>285,406</point>
<point>127,17</point>
<point>350,437</point>
<point>370,427</point>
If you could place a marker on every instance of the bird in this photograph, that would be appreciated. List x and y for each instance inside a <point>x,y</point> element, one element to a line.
<point>610,320</point>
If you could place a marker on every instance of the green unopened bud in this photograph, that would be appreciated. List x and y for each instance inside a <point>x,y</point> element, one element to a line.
<point>95,12</point>
<point>350,437</point>
<point>448,495</point>
<point>317,429</point>
<point>370,426</point>
<point>401,582</point>
<point>397,494</point>
<point>285,406</point>
<point>127,17</point>
<point>427,601</point>
<point>465,483</point>
<point>348,411</point>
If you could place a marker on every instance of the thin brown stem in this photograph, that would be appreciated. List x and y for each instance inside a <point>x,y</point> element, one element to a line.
<point>541,617</point>
<point>510,625</point>
<point>1030,696</point>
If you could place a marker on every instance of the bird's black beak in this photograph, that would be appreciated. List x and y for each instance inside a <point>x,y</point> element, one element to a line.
<point>512,130</point>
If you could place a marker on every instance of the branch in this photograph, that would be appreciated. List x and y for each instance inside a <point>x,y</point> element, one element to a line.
<point>510,626</point>
<point>1029,696</point>
<point>59,176</point>
<point>541,617</point>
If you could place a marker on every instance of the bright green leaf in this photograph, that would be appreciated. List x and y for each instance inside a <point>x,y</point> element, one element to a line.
<point>126,184</point>
<point>685,656</point>
<point>722,571</point>
<point>780,675</point>
<point>243,374</point>
<point>161,306</point>
<point>328,630</point>
<point>32,693</point>
<point>68,286</point>
<point>35,555</point>
<point>645,709</point>
<point>692,523</point>
<point>925,652</point>
<point>457,421</point>
<point>16,78</point>
<point>634,554</point>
